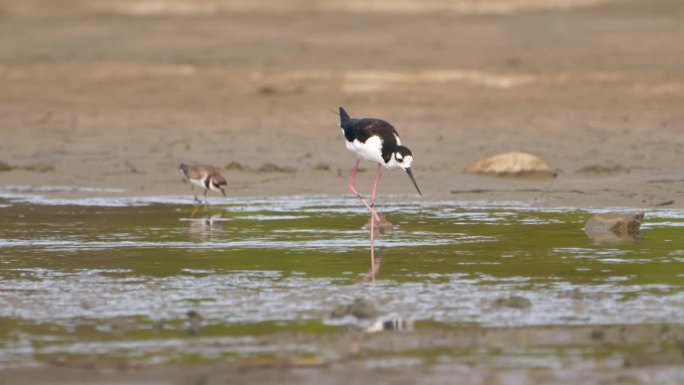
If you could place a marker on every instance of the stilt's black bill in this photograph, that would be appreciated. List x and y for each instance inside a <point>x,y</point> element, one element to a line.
<point>410,174</point>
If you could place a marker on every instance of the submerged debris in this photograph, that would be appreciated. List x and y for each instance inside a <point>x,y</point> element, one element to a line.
<point>355,348</point>
<point>514,302</point>
<point>515,164</point>
<point>194,322</point>
<point>382,228</point>
<point>614,227</point>
<point>395,324</point>
<point>653,358</point>
<point>360,309</point>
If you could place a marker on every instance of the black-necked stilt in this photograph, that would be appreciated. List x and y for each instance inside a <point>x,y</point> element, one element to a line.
<point>377,141</point>
<point>205,177</point>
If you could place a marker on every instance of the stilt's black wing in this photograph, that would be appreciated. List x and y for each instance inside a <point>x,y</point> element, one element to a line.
<point>362,129</point>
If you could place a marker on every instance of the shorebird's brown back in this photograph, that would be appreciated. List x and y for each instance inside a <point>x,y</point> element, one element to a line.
<point>198,171</point>
<point>218,178</point>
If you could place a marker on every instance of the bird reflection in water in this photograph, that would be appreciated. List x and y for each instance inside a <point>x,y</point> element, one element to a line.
<point>203,229</point>
<point>380,229</point>
<point>614,228</point>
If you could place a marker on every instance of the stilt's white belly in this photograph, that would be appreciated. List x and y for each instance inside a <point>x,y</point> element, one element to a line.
<point>370,150</point>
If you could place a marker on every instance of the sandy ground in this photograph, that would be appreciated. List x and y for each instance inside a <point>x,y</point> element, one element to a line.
<point>115,94</point>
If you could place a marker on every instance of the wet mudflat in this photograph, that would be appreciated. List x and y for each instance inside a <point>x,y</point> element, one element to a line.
<point>133,283</point>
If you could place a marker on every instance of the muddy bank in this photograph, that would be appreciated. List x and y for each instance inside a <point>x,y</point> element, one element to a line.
<point>648,354</point>
<point>112,99</point>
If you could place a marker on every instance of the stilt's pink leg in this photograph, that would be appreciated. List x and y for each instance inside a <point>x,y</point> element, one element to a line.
<point>374,195</point>
<point>372,241</point>
<point>350,185</point>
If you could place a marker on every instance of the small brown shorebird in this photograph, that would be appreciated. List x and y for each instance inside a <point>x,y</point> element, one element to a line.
<point>205,177</point>
<point>377,141</point>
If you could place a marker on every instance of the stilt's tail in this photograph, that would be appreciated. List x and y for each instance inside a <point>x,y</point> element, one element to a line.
<point>343,116</point>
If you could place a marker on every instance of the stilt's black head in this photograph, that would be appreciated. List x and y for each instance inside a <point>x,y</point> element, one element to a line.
<point>343,116</point>
<point>403,157</point>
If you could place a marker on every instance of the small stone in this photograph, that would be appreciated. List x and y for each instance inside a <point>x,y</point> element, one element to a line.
<point>321,167</point>
<point>602,170</point>
<point>598,335</point>
<point>40,167</point>
<point>270,167</point>
<point>236,166</point>
<point>5,167</point>
<point>516,164</point>
<point>267,90</point>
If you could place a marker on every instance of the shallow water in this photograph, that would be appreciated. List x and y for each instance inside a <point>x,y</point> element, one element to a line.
<point>116,277</point>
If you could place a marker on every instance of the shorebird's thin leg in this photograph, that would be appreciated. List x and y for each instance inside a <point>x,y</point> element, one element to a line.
<point>194,194</point>
<point>374,195</point>
<point>206,202</point>
<point>350,185</point>
<point>196,201</point>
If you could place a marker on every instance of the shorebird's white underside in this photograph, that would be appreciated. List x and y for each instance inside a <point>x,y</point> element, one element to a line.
<point>370,150</point>
<point>198,182</point>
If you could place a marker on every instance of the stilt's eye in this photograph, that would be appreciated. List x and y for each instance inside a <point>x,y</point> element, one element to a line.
<point>399,157</point>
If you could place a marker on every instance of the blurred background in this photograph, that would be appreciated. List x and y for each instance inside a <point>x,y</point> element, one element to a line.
<point>104,99</point>
<point>115,94</point>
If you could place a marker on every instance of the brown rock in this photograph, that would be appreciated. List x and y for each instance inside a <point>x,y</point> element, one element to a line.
<point>513,164</point>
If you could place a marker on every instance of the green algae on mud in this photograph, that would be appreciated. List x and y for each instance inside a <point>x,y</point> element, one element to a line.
<point>115,279</point>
